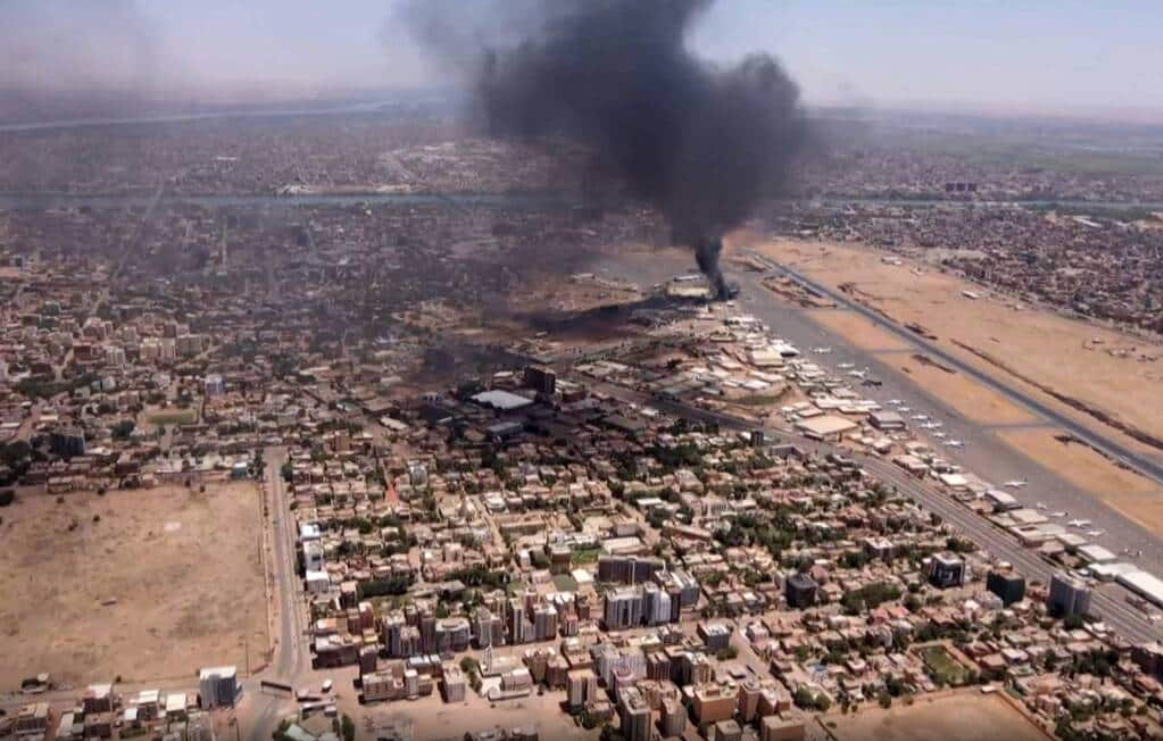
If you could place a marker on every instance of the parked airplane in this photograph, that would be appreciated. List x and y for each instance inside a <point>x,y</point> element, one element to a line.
<point>955,444</point>
<point>920,417</point>
<point>1096,533</point>
<point>1080,524</point>
<point>1016,484</point>
<point>1040,505</point>
<point>846,366</point>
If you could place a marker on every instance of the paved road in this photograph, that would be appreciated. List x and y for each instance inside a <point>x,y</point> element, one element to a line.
<point>291,658</point>
<point>1144,464</point>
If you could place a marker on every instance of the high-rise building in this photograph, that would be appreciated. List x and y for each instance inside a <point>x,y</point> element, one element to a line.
<point>800,591</point>
<point>628,569</point>
<point>520,627</point>
<point>624,608</point>
<point>1068,596</point>
<point>544,623</point>
<point>1010,586</point>
<point>673,718</point>
<point>489,629</point>
<point>946,570</point>
<point>635,715</point>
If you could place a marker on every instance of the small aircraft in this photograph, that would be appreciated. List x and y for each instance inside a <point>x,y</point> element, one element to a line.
<point>895,402</point>
<point>822,350</point>
<point>905,410</point>
<point>1059,513</point>
<point>1080,524</point>
<point>858,373</point>
<point>1041,505</point>
<point>846,366</point>
<point>940,435</point>
<point>1016,483</point>
<point>1096,533</point>
<point>920,417</point>
<point>955,444</point>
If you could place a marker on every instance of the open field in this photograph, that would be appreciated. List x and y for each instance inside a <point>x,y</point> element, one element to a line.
<point>1136,497</point>
<point>961,716</point>
<point>1119,375</point>
<point>139,584</point>
<point>432,718</point>
<point>968,397</point>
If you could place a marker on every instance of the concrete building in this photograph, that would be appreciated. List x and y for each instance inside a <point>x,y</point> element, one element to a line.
<point>1068,596</point>
<point>728,730</point>
<point>800,591</point>
<point>673,718</point>
<point>624,608</point>
<point>218,687</point>
<point>716,636</point>
<point>945,570</point>
<point>635,715</point>
<point>628,569</point>
<point>775,728</point>
<point>1010,586</point>
<point>712,703</point>
<point>453,684</point>
<point>489,628</point>
<point>582,687</point>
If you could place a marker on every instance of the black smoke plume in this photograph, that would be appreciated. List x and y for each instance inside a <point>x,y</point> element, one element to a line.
<point>700,142</point>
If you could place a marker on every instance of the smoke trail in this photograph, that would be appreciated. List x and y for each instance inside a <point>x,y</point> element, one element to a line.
<point>701,143</point>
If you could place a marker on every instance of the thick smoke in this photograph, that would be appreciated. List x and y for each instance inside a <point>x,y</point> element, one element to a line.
<point>701,143</point>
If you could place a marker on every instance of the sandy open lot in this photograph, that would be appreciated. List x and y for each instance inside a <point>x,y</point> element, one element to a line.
<point>969,398</point>
<point>432,718</point>
<point>1136,497</point>
<point>958,717</point>
<point>1116,375</point>
<point>167,580</point>
<point>857,330</point>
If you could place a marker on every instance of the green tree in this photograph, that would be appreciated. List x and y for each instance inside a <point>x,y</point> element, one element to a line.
<point>348,726</point>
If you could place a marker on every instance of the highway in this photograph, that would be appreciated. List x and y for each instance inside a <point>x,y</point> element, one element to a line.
<point>1145,465</point>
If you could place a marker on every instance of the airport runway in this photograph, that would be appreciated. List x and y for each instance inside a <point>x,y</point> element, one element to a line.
<point>983,454</point>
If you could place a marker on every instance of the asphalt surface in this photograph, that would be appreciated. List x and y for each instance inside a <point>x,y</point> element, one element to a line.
<point>1145,465</point>
<point>984,453</point>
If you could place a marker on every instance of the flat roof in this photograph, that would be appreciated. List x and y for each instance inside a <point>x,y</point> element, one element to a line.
<point>502,400</point>
<point>1143,584</point>
<point>827,424</point>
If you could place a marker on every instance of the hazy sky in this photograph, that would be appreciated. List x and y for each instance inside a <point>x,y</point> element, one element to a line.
<point>1052,54</point>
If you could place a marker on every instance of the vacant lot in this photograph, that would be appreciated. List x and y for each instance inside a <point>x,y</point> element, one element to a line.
<point>964,716</point>
<point>971,399</point>
<point>142,584</point>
